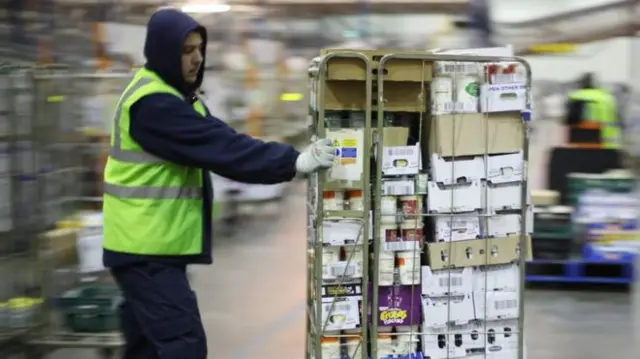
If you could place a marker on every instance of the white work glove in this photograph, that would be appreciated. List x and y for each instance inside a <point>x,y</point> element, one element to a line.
<point>321,154</point>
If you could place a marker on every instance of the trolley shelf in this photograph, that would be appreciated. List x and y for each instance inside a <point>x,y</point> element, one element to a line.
<point>112,340</point>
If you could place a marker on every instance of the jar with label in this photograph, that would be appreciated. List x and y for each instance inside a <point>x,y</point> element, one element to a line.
<point>356,120</point>
<point>389,205</point>
<point>385,346</point>
<point>330,347</point>
<point>330,256</point>
<point>386,267</point>
<point>411,231</point>
<point>353,344</point>
<point>332,121</point>
<point>356,200</point>
<point>408,267</point>
<point>411,205</point>
<point>354,255</point>
<point>333,200</point>
<point>389,235</point>
<point>389,120</point>
<point>406,340</point>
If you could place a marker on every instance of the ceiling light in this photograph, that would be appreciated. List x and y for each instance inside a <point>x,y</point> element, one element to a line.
<point>206,8</point>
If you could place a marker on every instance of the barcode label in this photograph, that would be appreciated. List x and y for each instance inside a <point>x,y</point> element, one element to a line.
<point>504,78</point>
<point>341,270</point>
<point>505,304</point>
<point>401,246</point>
<point>459,68</point>
<point>450,281</point>
<point>400,151</point>
<point>398,188</point>
<point>338,307</point>
<point>449,107</point>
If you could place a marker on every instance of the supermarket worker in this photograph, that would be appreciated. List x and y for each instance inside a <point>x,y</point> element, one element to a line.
<point>591,104</point>
<point>158,192</point>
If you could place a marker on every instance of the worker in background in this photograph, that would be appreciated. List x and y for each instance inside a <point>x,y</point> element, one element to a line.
<point>158,191</point>
<point>592,115</point>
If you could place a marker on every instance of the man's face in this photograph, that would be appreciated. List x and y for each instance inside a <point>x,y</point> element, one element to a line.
<point>191,57</point>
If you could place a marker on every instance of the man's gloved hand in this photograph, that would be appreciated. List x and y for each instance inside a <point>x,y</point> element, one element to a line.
<point>319,155</point>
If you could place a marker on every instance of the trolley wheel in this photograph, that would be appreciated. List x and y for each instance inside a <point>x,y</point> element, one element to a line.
<point>107,353</point>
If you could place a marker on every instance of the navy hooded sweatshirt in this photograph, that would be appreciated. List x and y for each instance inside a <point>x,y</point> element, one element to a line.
<point>170,128</point>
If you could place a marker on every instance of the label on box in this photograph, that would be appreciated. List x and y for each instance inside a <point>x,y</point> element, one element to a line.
<point>398,188</point>
<point>505,97</point>
<point>341,313</point>
<point>399,306</point>
<point>341,232</point>
<point>401,160</point>
<point>348,149</point>
<point>341,290</point>
<point>411,206</point>
<point>339,270</point>
<point>407,240</point>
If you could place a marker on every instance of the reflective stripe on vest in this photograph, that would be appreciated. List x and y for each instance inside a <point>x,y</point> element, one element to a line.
<point>141,157</point>
<point>129,155</point>
<point>153,192</point>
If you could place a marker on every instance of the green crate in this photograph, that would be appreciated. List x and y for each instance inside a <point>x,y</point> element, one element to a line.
<point>553,222</point>
<point>91,309</point>
<point>579,183</point>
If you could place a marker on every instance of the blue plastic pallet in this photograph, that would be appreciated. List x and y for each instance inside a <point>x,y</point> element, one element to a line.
<point>595,268</point>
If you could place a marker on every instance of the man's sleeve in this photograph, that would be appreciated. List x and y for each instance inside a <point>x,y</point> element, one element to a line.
<point>169,128</point>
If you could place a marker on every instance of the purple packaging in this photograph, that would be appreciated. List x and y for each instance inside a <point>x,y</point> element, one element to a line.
<point>396,307</point>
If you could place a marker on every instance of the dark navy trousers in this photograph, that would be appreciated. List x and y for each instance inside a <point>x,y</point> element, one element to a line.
<point>159,315</point>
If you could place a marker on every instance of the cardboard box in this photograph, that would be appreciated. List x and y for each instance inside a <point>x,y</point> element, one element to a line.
<point>503,225</point>
<point>341,307</point>
<point>351,96</point>
<point>61,246</point>
<point>449,171</point>
<point>506,168</point>
<point>503,97</point>
<point>473,340</point>
<point>474,134</point>
<point>394,136</point>
<point>401,160</point>
<point>506,196</point>
<point>454,199</point>
<point>451,229</point>
<point>440,311</point>
<point>473,252</point>
<point>339,232</point>
<point>399,306</point>
<point>502,278</point>
<point>491,306</point>
<point>395,70</point>
<point>447,282</point>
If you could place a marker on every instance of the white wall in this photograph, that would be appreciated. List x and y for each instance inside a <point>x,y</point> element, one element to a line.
<point>610,59</point>
<point>521,10</point>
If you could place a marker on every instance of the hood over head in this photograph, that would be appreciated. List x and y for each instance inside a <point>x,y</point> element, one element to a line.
<point>166,32</point>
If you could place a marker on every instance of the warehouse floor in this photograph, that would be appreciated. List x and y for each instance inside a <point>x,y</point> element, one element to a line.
<point>252,301</point>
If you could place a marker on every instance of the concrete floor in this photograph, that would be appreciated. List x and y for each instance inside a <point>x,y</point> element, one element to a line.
<point>252,301</point>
